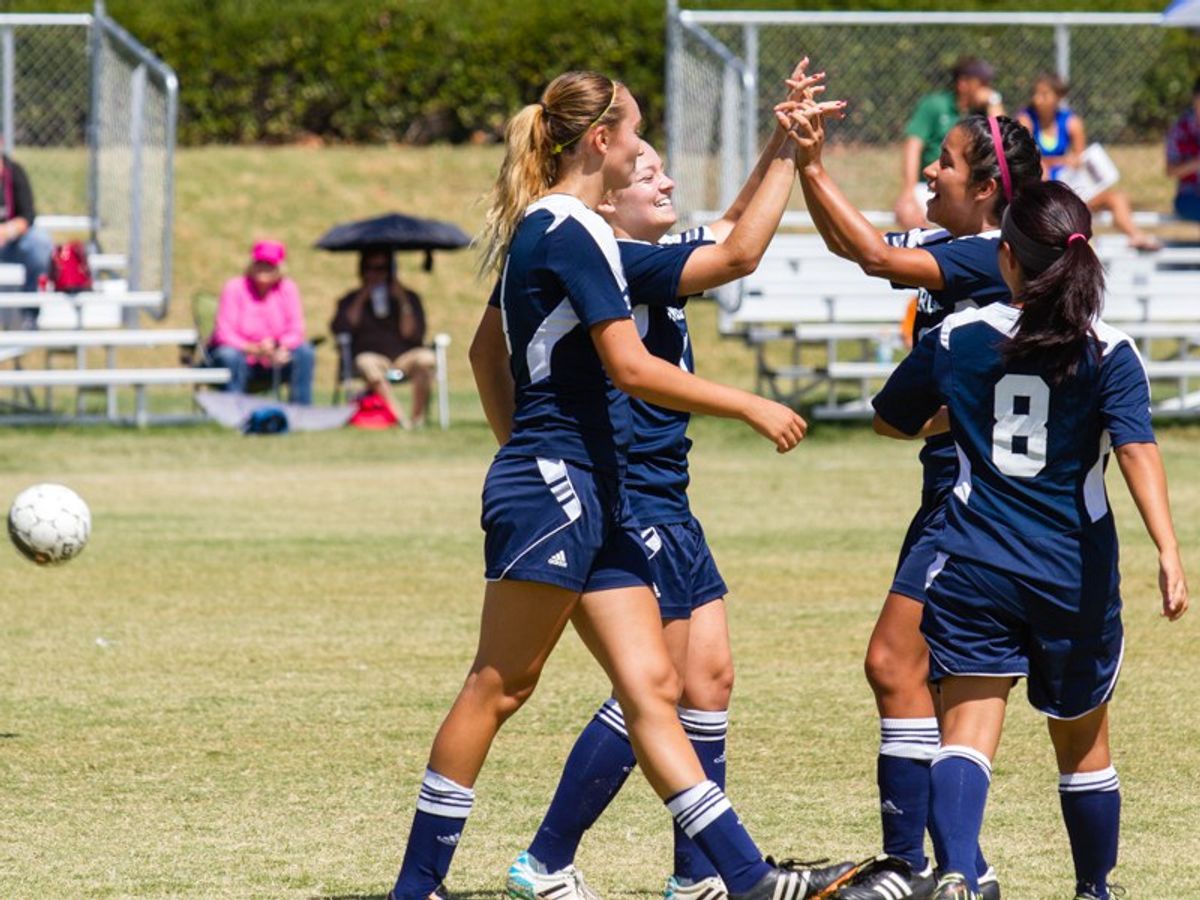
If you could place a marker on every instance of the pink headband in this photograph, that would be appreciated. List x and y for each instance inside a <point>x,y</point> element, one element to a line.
<point>1076,236</point>
<point>998,143</point>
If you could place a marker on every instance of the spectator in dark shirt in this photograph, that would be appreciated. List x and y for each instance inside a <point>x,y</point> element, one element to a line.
<point>386,328</point>
<point>20,241</point>
<point>1183,158</point>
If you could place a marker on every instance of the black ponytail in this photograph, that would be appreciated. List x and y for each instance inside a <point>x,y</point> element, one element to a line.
<point>1020,152</point>
<point>1047,227</point>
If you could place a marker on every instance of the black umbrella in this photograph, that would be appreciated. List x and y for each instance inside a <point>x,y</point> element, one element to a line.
<point>395,232</point>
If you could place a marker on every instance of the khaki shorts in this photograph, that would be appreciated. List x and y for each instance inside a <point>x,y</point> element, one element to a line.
<point>374,366</point>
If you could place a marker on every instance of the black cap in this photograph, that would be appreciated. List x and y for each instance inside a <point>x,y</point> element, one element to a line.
<point>973,67</point>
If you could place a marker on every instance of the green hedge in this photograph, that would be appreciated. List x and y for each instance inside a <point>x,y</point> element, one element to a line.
<point>453,70</point>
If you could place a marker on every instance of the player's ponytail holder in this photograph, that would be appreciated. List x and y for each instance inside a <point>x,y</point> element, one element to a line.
<point>1001,161</point>
<point>1076,236</point>
<point>559,148</point>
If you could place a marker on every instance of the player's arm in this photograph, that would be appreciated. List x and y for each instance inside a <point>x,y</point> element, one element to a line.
<point>802,85</point>
<point>938,423</point>
<point>840,222</point>
<point>638,373</point>
<point>493,378</point>
<point>1142,467</point>
<point>1078,140</point>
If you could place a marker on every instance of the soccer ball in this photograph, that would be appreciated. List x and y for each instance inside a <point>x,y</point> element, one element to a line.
<point>49,524</point>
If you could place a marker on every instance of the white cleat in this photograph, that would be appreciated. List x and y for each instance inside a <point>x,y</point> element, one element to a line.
<point>712,888</point>
<point>524,882</point>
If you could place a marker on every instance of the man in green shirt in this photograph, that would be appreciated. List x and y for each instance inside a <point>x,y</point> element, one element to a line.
<point>935,115</point>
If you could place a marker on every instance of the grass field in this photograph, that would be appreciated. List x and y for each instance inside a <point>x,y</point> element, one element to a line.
<point>231,693</point>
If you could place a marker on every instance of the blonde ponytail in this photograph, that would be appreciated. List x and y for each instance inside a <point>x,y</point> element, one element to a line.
<point>537,140</point>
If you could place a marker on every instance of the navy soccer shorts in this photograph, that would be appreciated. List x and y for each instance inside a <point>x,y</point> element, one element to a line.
<point>685,573</point>
<point>555,522</point>
<point>920,546</point>
<point>983,621</point>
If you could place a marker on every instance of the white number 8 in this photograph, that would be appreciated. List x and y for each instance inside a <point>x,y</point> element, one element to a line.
<point>1029,424</point>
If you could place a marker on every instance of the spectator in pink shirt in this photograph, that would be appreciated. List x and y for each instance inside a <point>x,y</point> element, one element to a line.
<point>260,326</point>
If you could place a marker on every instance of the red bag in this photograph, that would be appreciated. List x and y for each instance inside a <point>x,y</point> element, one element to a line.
<point>69,268</point>
<point>372,412</point>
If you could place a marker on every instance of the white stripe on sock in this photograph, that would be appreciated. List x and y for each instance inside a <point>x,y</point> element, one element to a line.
<point>964,752</point>
<point>698,807</point>
<point>1078,782</point>
<point>611,714</point>
<point>909,738</point>
<point>704,725</point>
<point>440,796</point>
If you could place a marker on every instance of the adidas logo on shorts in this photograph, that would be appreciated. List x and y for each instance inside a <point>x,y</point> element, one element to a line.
<point>559,559</point>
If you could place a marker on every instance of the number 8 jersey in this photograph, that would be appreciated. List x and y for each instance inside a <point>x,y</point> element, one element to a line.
<point>1029,495</point>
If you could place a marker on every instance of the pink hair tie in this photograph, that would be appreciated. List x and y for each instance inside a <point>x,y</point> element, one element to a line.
<point>998,143</point>
<point>1076,236</point>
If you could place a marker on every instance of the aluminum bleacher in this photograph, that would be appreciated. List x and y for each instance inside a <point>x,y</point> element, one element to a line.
<point>826,335</point>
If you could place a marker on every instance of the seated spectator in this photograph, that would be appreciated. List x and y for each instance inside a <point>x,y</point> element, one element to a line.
<point>259,332</point>
<point>386,326</point>
<point>936,113</point>
<point>1060,136</point>
<point>20,241</point>
<point>1183,159</point>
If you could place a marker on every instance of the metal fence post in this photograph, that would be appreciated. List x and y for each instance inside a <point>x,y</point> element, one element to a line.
<point>7,85</point>
<point>96,49</point>
<point>137,126</point>
<point>1062,50</point>
<point>671,115</point>
<point>731,138</point>
<point>750,87</point>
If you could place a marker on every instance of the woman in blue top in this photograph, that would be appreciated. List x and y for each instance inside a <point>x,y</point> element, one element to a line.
<point>1025,583</point>
<point>983,163</point>
<point>1060,136</point>
<point>662,273</point>
<point>560,543</point>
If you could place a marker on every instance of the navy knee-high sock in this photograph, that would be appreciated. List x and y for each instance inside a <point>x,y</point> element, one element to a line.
<point>906,747</point>
<point>597,766</point>
<point>706,730</point>
<point>958,787</point>
<point>442,810</point>
<point>1091,807</point>
<point>705,815</point>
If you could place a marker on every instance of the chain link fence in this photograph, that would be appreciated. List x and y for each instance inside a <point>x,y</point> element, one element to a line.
<point>90,114</point>
<point>725,71</point>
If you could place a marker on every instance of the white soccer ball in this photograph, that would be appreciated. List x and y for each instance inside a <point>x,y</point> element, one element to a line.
<point>49,524</point>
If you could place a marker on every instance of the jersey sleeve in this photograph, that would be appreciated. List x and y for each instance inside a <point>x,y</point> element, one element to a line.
<point>968,265</point>
<point>911,395</point>
<point>653,271</point>
<point>1125,397</point>
<point>590,273</point>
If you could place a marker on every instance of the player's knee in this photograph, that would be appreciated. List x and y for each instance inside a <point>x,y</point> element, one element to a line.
<point>890,670</point>
<point>711,687</point>
<point>501,695</point>
<point>655,687</point>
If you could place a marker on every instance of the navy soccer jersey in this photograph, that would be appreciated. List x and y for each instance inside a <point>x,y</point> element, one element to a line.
<point>561,276</point>
<point>970,269</point>
<point>658,473</point>
<point>1029,496</point>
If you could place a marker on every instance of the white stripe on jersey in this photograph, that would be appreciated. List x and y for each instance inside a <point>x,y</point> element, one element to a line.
<point>564,206</point>
<point>556,326</point>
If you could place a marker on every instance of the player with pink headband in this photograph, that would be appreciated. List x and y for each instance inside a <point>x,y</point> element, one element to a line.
<point>984,161</point>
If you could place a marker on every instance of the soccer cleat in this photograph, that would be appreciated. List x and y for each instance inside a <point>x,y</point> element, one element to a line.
<point>439,893</point>
<point>524,882</point>
<point>791,879</point>
<point>712,888</point>
<point>1091,892</point>
<point>953,886</point>
<point>989,885</point>
<point>889,878</point>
